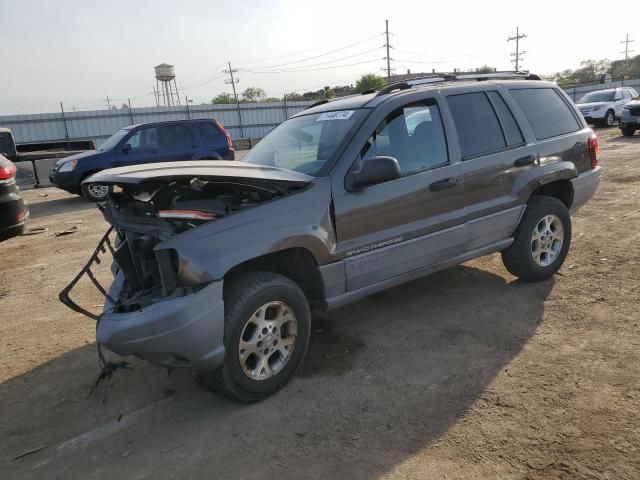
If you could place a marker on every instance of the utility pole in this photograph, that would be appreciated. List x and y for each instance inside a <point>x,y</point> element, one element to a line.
<point>626,42</point>
<point>518,54</point>
<point>387,46</point>
<point>233,82</point>
<point>108,103</point>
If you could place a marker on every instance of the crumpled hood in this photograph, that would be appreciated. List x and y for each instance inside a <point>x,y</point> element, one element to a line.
<point>165,172</point>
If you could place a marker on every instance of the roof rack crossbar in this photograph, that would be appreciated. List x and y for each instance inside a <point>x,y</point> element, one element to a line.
<point>447,77</point>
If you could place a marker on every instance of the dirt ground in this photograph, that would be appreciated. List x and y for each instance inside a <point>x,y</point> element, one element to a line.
<point>467,373</point>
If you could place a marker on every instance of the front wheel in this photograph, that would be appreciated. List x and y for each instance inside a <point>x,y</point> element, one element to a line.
<point>609,118</point>
<point>541,241</point>
<point>95,192</point>
<point>267,329</point>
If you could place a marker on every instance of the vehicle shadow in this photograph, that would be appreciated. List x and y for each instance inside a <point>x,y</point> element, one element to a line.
<point>58,206</point>
<point>383,379</point>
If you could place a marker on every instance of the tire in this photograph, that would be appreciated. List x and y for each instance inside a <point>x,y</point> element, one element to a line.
<point>609,118</point>
<point>519,258</point>
<point>90,192</point>
<point>628,131</point>
<point>242,378</point>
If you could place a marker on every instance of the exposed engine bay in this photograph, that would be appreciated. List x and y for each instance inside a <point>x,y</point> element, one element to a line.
<point>145,215</point>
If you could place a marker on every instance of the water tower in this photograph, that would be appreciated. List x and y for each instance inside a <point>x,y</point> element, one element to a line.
<point>167,94</point>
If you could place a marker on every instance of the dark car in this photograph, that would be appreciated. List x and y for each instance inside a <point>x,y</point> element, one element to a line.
<point>139,144</point>
<point>13,211</point>
<point>218,264</point>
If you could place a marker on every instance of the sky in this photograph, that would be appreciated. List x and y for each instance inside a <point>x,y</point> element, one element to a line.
<point>78,52</point>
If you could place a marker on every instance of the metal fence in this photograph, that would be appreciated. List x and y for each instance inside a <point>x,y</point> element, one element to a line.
<point>576,92</point>
<point>248,120</point>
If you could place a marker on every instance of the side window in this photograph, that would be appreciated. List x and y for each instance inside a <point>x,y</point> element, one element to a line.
<point>509,125</point>
<point>144,138</point>
<point>134,140</point>
<point>477,125</point>
<point>207,131</point>
<point>414,135</point>
<point>546,111</point>
<point>174,136</point>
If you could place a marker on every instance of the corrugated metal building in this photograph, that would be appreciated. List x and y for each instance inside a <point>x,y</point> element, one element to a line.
<point>258,119</point>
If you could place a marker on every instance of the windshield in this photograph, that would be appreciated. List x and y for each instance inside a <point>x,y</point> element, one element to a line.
<point>305,144</point>
<point>113,140</point>
<point>606,96</point>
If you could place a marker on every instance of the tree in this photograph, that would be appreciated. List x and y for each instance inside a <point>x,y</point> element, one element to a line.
<point>369,81</point>
<point>293,96</point>
<point>224,98</point>
<point>485,69</point>
<point>272,100</point>
<point>124,106</point>
<point>329,93</point>
<point>254,94</point>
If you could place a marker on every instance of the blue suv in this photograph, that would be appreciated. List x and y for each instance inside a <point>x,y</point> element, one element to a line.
<point>144,143</point>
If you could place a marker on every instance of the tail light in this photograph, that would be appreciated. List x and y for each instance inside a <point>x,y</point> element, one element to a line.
<point>226,134</point>
<point>594,150</point>
<point>7,172</point>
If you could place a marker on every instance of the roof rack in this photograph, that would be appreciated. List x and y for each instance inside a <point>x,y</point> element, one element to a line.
<point>446,77</point>
<point>319,102</point>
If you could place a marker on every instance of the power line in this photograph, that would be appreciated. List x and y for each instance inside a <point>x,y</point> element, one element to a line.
<point>321,63</point>
<point>320,68</point>
<point>626,42</point>
<point>518,54</point>
<point>318,56</point>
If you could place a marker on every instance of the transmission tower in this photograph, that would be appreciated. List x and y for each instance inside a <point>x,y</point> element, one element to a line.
<point>517,55</point>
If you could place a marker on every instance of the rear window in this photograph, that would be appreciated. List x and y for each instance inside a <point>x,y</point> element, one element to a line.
<point>548,114</point>
<point>208,130</point>
<point>477,125</point>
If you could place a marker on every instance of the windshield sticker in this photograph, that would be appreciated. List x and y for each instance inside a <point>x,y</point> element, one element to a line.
<point>339,115</point>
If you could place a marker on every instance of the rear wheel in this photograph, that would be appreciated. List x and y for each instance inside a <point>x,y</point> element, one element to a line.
<point>267,329</point>
<point>541,241</point>
<point>628,131</point>
<point>95,192</point>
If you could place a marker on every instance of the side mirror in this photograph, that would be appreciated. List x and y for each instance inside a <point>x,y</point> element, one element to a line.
<point>377,170</point>
<point>126,148</point>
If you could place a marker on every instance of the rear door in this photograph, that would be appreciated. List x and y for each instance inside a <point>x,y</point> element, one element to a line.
<point>494,153</point>
<point>176,142</point>
<point>400,226</point>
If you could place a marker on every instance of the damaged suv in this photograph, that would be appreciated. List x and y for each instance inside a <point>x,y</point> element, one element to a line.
<point>218,264</point>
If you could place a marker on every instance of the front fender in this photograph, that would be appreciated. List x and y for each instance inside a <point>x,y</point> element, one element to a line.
<point>300,220</point>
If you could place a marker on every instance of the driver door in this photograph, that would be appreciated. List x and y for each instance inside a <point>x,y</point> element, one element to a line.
<point>144,148</point>
<point>399,226</point>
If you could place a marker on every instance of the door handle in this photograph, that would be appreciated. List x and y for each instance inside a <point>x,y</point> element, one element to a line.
<point>445,183</point>
<point>524,161</point>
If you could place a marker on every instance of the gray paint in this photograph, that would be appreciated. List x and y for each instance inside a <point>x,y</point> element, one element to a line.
<point>389,233</point>
<point>180,326</point>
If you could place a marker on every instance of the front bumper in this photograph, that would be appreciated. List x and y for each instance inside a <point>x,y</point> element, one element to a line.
<point>626,119</point>
<point>584,187</point>
<point>183,331</point>
<point>64,181</point>
<point>175,331</point>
